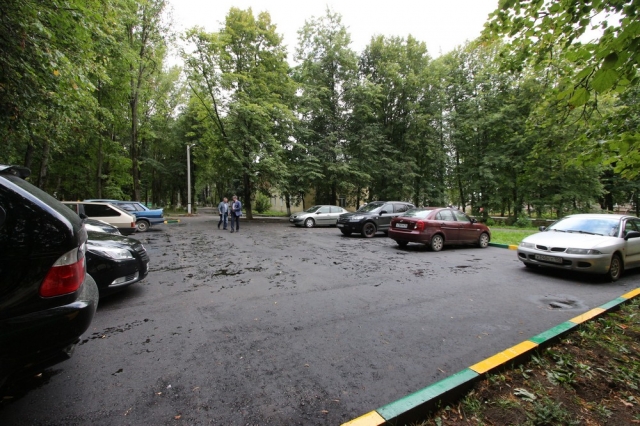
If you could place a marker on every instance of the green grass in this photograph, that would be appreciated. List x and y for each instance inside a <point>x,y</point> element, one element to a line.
<point>510,235</point>
<point>271,213</point>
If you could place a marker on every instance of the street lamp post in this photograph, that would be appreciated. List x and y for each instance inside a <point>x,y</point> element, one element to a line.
<point>189,146</point>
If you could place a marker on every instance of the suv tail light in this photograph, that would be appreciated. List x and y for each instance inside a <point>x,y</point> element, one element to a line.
<point>420,225</point>
<point>66,275</point>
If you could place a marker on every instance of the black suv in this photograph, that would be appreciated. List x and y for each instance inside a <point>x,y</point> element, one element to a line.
<point>46,298</point>
<point>371,218</point>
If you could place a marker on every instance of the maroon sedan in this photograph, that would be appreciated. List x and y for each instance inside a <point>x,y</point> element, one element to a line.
<point>437,227</point>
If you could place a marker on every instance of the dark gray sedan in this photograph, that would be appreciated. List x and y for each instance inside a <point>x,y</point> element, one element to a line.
<point>317,216</point>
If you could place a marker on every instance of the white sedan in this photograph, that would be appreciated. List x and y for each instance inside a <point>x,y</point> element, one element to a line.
<point>596,243</point>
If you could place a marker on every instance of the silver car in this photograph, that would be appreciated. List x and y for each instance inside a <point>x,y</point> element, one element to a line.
<point>596,243</point>
<point>317,216</point>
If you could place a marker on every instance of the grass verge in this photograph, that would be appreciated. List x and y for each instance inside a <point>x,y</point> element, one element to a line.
<point>510,235</point>
<point>591,377</point>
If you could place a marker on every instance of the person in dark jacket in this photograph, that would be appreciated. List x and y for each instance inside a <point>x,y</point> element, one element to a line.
<point>236,212</point>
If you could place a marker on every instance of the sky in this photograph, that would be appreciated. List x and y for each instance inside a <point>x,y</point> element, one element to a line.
<point>441,24</point>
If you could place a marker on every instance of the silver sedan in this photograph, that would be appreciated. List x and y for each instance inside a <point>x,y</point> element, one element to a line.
<point>317,215</point>
<point>596,243</point>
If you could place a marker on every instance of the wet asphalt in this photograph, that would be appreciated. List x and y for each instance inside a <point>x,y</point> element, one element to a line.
<point>291,326</point>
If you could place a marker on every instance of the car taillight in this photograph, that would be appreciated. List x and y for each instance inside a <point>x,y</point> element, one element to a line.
<point>66,275</point>
<point>420,225</point>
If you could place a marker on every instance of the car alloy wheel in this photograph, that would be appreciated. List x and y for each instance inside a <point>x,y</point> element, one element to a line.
<point>309,223</point>
<point>142,226</point>
<point>483,242</point>
<point>368,230</point>
<point>615,269</point>
<point>437,242</point>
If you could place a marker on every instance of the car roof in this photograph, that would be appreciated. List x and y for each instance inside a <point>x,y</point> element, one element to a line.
<point>602,216</point>
<point>22,172</point>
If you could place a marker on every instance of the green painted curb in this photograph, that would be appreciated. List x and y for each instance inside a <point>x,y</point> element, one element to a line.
<point>553,333</point>
<point>411,407</point>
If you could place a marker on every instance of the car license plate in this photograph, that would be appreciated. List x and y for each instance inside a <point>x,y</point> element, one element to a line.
<point>340,225</point>
<point>546,258</point>
<point>290,219</point>
<point>401,225</point>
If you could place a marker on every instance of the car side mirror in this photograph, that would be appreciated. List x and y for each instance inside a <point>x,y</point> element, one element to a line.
<point>83,216</point>
<point>632,234</point>
<point>384,212</point>
<point>542,228</point>
<point>474,220</point>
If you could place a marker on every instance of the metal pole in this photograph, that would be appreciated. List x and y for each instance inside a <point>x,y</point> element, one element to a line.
<point>188,179</point>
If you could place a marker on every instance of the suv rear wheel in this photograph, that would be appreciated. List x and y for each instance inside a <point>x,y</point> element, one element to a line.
<point>369,230</point>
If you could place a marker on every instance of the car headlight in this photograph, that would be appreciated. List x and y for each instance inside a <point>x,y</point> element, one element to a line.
<point>355,218</point>
<point>114,253</point>
<point>527,245</point>
<point>582,251</point>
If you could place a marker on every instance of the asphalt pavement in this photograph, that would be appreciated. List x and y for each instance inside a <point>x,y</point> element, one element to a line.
<point>284,325</point>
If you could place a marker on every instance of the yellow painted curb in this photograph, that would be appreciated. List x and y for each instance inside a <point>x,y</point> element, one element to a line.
<point>513,247</point>
<point>587,315</point>
<point>632,294</point>
<point>372,418</point>
<point>503,357</point>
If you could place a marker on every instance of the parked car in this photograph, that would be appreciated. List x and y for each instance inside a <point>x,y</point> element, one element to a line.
<point>125,222</point>
<point>115,261</point>
<point>437,227</point>
<point>371,218</point>
<point>604,244</point>
<point>100,226</point>
<point>317,216</point>
<point>46,298</point>
<point>145,217</point>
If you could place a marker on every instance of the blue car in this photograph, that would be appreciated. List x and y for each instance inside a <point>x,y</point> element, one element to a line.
<point>145,217</point>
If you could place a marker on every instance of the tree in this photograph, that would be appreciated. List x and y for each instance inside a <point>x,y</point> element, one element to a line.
<point>327,68</point>
<point>240,77</point>
<point>592,68</point>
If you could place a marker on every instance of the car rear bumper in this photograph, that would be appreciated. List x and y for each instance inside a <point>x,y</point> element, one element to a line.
<point>597,264</point>
<point>41,339</point>
<point>409,236</point>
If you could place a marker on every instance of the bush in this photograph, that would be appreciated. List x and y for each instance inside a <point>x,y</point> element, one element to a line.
<point>490,221</point>
<point>263,203</point>
<point>522,222</point>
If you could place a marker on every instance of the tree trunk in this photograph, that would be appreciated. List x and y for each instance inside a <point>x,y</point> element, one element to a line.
<point>42,175</point>
<point>287,199</point>
<point>246,179</point>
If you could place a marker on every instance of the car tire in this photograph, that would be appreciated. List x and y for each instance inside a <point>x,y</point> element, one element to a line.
<point>402,243</point>
<point>615,268</point>
<point>309,223</point>
<point>142,226</point>
<point>345,232</point>
<point>369,230</point>
<point>437,242</point>
<point>483,241</point>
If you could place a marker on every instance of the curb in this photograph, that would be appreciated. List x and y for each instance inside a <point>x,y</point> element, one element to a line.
<point>507,246</point>
<point>172,221</point>
<point>416,406</point>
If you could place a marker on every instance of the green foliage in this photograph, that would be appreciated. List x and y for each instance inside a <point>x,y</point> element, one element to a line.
<point>263,203</point>
<point>522,222</point>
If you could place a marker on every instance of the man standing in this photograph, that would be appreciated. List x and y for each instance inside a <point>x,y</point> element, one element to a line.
<point>236,212</point>
<point>223,210</point>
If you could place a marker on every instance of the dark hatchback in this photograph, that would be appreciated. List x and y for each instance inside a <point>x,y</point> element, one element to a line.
<point>371,218</point>
<point>115,262</point>
<point>437,227</point>
<point>46,298</point>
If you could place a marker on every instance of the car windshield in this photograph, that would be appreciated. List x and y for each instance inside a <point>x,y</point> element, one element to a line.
<point>587,225</point>
<point>312,209</point>
<point>419,213</point>
<point>369,207</point>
